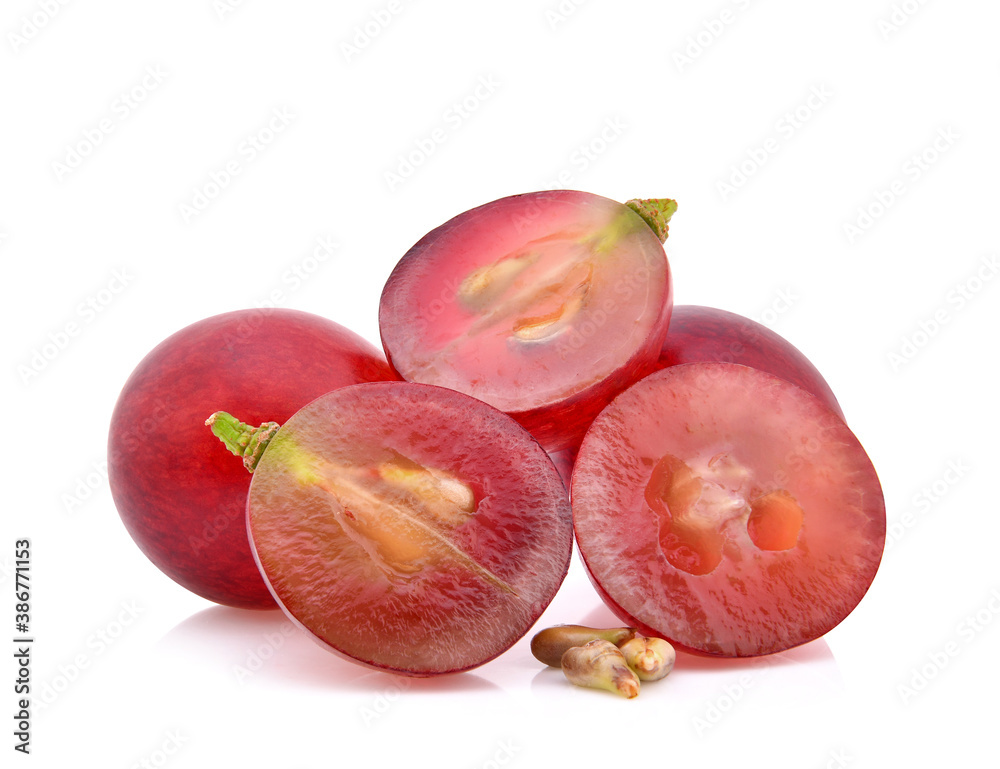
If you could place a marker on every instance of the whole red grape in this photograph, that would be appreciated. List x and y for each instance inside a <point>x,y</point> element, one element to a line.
<point>181,495</point>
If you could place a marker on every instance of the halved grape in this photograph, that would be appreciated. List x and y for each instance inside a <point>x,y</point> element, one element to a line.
<point>544,305</point>
<point>409,527</point>
<point>727,510</point>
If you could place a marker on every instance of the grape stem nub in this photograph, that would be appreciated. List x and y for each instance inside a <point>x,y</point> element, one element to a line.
<point>242,439</point>
<point>655,212</point>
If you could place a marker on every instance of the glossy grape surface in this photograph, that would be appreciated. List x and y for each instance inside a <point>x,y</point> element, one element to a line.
<point>699,333</point>
<point>180,493</point>
<point>544,305</point>
<point>409,527</point>
<point>727,510</point>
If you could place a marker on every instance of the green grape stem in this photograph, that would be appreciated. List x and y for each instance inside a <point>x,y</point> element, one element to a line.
<point>656,212</point>
<point>240,438</point>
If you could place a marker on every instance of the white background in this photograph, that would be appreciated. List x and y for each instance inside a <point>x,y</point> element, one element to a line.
<point>867,137</point>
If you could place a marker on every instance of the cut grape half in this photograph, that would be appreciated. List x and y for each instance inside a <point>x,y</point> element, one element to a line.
<point>409,527</point>
<point>544,305</point>
<point>727,510</point>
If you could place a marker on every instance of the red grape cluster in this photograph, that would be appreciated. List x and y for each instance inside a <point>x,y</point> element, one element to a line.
<point>416,511</point>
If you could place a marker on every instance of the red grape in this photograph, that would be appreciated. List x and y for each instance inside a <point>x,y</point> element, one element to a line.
<point>544,305</point>
<point>409,527</point>
<point>181,496</point>
<point>727,510</point>
<point>707,334</point>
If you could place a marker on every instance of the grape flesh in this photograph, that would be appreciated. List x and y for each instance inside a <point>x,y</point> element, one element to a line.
<point>409,527</point>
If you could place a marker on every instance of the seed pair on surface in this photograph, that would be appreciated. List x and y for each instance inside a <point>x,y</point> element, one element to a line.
<point>614,659</point>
